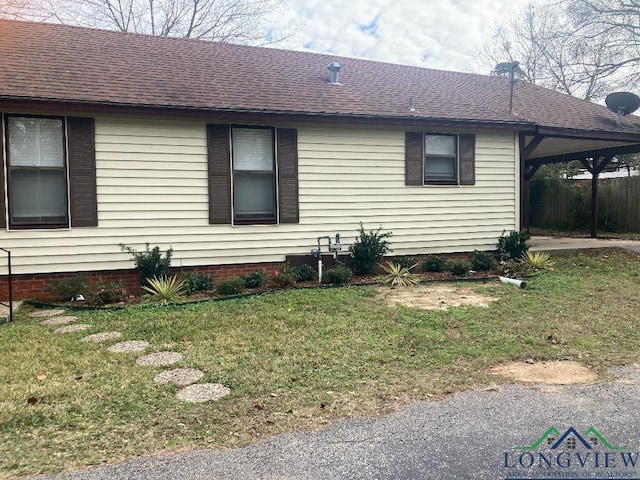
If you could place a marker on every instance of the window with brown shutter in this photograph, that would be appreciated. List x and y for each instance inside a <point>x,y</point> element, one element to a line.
<point>439,159</point>
<point>40,154</point>
<point>260,166</point>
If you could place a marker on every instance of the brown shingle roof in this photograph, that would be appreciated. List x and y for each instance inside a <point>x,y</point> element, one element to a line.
<point>73,64</point>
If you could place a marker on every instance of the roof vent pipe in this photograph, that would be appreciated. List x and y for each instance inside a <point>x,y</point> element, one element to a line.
<point>334,68</point>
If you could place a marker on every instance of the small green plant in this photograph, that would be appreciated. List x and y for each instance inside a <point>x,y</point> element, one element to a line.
<point>230,286</point>
<point>282,277</point>
<point>150,262</point>
<point>368,249</point>
<point>165,290</point>
<point>482,261</point>
<point>434,263</point>
<point>513,245</point>
<point>108,292</point>
<point>254,279</point>
<point>68,289</point>
<point>304,273</point>
<point>338,275</point>
<point>538,260</point>
<point>197,282</point>
<point>458,267</point>
<point>398,275</point>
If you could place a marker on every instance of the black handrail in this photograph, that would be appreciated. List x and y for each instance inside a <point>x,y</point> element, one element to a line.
<point>10,305</point>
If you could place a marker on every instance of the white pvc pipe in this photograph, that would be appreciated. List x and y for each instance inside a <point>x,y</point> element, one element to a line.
<point>513,281</point>
<point>319,269</point>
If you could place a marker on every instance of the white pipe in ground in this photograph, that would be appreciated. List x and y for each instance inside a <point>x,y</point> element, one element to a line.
<point>319,269</point>
<point>513,281</point>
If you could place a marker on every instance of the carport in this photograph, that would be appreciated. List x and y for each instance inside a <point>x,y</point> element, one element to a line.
<point>588,133</point>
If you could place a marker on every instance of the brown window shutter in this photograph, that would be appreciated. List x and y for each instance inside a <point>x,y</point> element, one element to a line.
<point>219,162</point>
<point>467,159</point>
<point>287,151</point>
<point>3,207</point>
<point>82,171</point>
<point>414,158</point>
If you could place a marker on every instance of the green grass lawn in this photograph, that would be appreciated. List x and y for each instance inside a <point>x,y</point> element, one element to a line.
<point>294,360</point>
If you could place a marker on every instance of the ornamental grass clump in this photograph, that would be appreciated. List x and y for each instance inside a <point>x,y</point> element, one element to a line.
<point>538,260</point>
<point>399,275</point>
<point>165,290</point>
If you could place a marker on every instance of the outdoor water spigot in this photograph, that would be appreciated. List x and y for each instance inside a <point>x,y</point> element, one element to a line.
<point>315,252</point>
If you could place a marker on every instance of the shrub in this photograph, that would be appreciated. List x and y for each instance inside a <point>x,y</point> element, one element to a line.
<point>282,277</point>
<point>398,275</point>
<point>482,261</point>
<point>368,249</point>
<point>254,279</point>
<point>458,267</point>
<point>108,292</point>
<point>406,262</point>
<point>514,245</point>
<point>197,282</point>
<point>338,275</point>
<point>68,289</point>
<point>165,290</point>
<point>434,263</point>
<point>150,263</point>
<point>230,286</point>
<point>304,273</point>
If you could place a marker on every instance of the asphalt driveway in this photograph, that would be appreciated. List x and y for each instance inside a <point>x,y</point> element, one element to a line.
<point>467,436</point>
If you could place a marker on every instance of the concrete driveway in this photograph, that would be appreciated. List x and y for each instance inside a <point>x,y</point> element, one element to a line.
<point>466,436</point>
<point>557,244</point>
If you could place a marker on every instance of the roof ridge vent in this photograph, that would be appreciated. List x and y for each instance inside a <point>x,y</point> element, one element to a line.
<point>334,68</point>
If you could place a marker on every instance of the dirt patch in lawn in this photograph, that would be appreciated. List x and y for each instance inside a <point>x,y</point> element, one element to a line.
<point>434,297</point>
<point>558,373</point>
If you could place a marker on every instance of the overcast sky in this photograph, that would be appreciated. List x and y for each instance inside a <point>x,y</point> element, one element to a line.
<point>443,34</point>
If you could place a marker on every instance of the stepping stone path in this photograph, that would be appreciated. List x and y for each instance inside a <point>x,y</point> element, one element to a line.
<point>129,346</point>
<point>159,359</point>
<point>59,320</point>
<point>101,337</point>
<point>202,392</point>
<point>46,313</point>
<point>182,377</point>
<point>179,376</point>
<point>72,328</point>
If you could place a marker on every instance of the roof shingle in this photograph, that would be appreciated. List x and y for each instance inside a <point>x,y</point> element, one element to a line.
<point>74,64</point>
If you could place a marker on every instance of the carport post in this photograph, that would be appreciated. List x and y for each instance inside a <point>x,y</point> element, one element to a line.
<point>594,203</point>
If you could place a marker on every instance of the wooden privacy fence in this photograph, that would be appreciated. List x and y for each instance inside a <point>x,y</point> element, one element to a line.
<point>566,204</point>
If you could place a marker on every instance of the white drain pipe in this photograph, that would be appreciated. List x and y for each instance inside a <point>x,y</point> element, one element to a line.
<point>513,281</point>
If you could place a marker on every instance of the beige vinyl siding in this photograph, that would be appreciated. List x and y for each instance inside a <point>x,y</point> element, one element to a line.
<point>152,187</point>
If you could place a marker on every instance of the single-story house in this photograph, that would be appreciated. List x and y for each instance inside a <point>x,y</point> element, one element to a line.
<point>238,156</point>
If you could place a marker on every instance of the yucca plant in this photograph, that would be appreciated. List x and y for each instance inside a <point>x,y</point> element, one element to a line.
<point>397,275</point>
<point>538,260</point>
<point>165,290</point>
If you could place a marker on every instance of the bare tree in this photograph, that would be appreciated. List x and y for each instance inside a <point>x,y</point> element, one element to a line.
<point>237,21</point>
<point>615,23</point>
<point>556,51</point>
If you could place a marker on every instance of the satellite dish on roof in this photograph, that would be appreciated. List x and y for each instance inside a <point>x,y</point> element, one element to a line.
<point>622,103</point>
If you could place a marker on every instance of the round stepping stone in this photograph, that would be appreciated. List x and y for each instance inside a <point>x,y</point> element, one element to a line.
<point>202,392</point>
<point>59,320</point>
<point>129,346</point>
<point>179,376</point>
<point>72,328</point>
<point>101,337</point>
<point>45,313</point>
<point>159,359</point>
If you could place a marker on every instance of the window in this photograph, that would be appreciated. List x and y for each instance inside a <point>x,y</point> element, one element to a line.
<point>37,175</point>
<point>439,159</point>
<point>51,167</point>
<point>253,175</point>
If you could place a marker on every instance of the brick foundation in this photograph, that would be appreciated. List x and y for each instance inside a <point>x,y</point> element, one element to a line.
<point>34,286</point>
